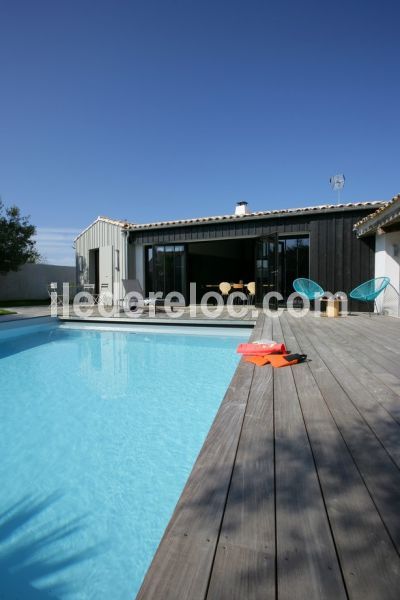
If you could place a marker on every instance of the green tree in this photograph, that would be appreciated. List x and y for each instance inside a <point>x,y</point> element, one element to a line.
<point>17,245</point>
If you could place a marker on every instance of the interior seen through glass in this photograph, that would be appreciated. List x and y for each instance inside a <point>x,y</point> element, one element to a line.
<point>273,262</point>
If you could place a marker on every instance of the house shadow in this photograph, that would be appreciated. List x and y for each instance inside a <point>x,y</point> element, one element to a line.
<point>29,554</point>
<point>21,343</point>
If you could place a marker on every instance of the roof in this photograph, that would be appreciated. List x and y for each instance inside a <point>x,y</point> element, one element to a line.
<point>260,214</point>
<point>252,215</point>
<point>386,214</point>
<point>118,222</point>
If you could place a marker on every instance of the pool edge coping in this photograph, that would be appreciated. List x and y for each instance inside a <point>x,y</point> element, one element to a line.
<point>235,323</point>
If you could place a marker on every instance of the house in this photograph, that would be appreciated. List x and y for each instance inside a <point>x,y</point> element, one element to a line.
<point>271,248</point>
<point>383,226</point>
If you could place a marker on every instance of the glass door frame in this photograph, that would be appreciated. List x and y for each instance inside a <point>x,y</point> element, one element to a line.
<point>282,238</point>
<point>266,266</point>
<point>151,278</point>
<point>267,249</point>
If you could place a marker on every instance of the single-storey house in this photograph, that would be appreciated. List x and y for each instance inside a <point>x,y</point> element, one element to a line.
<point>383,226</point>
<point>271,248</point>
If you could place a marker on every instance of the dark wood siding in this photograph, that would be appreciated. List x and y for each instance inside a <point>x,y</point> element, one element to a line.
<point>338,260</point>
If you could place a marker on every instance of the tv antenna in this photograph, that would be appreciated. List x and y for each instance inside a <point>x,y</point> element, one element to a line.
<point>337,184</point>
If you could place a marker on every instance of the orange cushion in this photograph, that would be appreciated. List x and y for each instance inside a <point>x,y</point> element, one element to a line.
<point>260,349</point>
<point>258,360</point>
<point>282,361</point>
<point>276,360</point>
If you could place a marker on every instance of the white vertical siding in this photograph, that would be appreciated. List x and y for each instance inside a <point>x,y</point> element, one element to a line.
<point>100,235</point>
<point>139,264</point>
<point>387,264</point>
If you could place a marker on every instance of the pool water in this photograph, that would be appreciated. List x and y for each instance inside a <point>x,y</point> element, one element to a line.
<point>98,433</point>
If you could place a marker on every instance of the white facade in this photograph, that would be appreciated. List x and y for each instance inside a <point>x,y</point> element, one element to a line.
<point>387,264</point>
<point>104,257</point>
<point>384,224</point>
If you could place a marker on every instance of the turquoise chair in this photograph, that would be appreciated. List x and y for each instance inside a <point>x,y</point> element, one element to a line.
<point>308,288</point>
<point>370,290</point>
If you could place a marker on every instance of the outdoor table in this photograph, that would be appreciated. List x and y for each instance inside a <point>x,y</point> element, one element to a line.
<point>234,287</point>
<point>332,308</point>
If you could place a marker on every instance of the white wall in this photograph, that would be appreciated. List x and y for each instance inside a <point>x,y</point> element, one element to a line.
<point>139,264</point>
<point>31,281</point>
<point>103,235</point>
<point>387,264</point>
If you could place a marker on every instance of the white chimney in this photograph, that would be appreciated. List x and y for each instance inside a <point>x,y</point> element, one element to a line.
<point>241,209</point>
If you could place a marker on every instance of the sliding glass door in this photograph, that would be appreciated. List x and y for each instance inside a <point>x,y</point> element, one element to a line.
<point>266,266</point>
<point>166,269</point>
<point>293,262</point>
<point>279,261</point>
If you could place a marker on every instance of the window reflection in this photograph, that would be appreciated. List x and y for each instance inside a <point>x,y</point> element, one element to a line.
<point>293,261</point>
<point>165,269</point>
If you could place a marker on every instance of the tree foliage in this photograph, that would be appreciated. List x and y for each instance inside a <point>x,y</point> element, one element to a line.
<point>17,245</point>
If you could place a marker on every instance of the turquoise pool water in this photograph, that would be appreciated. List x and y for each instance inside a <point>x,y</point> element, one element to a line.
<point>99,432</point>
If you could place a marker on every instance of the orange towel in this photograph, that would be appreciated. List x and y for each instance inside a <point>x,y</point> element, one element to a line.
<point>258,360</point>
<point>277,360</point>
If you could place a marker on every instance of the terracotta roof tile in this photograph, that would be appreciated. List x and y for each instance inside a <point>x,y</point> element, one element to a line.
<point>265,213</point>
<point>252,215</point>
<point>380,210</point>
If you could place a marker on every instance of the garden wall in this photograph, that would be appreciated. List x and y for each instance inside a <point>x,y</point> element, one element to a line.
<point>31,281</point>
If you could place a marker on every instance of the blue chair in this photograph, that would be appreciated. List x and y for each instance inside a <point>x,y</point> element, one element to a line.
<point>370,290</point>
<point>308,288</point>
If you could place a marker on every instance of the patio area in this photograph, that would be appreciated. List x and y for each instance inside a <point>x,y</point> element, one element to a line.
<point>92,313</point>
<point>186,315</point>
<point>296,491</point>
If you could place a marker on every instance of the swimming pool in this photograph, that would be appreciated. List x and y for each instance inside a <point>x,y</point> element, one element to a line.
<point>99,432</point>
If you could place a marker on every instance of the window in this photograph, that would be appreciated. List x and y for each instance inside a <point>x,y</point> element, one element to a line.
<point>80,264</point>
<point>166,269</point>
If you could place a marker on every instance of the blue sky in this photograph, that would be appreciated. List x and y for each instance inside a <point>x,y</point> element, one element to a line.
<point>150,110</point>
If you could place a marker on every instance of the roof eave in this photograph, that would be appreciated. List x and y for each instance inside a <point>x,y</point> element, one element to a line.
<point>383,217</point>
<point>257,216</point>
<point>122,224</point>
<point>87,228</point>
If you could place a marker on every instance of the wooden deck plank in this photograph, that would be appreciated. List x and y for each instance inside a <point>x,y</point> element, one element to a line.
<point>365,371</point>
<point>244,564</point>
<point>380,330</point>
<point>375,340</point>
<point>357,377</point>
<point>344,369</point>
<point>364,355</point>
<point>259,405</point>
<point>242,573</point>
<point>380,474</point>
<point>381,356</point>
<point>367,557</point>
<point>376,334</point>
<point>306,555</point>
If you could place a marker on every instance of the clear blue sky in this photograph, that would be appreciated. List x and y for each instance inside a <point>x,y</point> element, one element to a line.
<point>151,110</point>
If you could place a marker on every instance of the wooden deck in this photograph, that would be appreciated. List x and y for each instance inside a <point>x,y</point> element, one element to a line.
<point>296,491</point>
